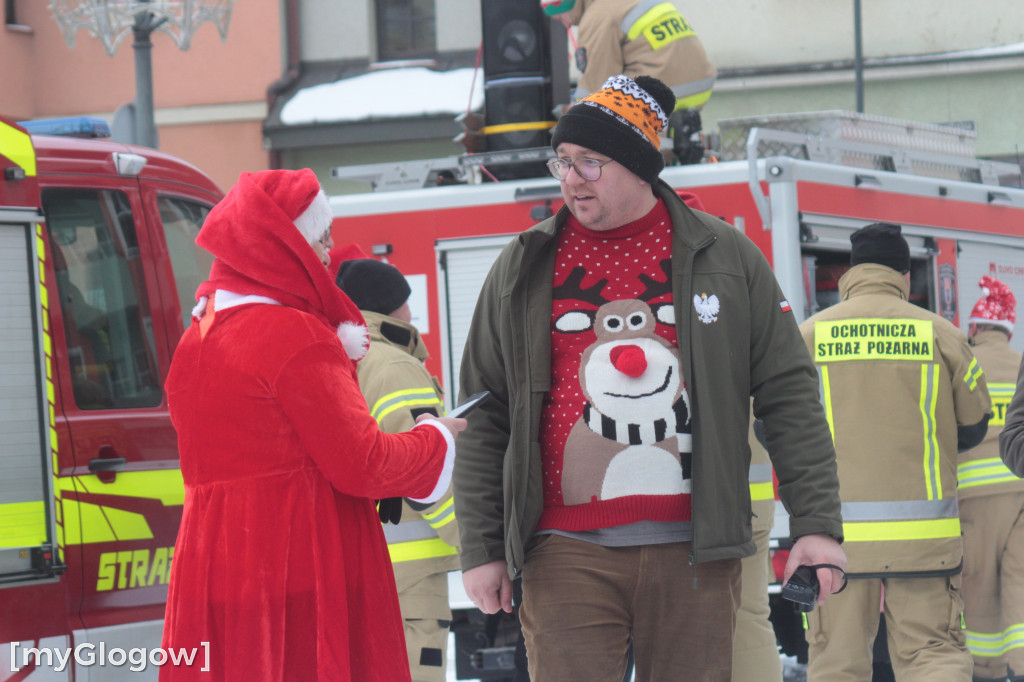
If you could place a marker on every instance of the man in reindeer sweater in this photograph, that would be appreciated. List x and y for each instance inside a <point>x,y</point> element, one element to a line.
<point>622,340</point>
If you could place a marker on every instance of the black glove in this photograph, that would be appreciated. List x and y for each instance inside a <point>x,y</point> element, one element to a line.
<point>390,510</point>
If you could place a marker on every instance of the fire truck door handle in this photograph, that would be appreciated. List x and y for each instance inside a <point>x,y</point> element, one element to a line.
<point>106,462</point>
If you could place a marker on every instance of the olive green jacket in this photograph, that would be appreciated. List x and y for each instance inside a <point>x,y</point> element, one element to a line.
<point>752,348</point>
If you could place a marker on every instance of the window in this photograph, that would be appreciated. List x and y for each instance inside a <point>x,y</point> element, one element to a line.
<point>181,222</point>
<point>107,320</point>
<point>405,29</point>
<point>10,16</point>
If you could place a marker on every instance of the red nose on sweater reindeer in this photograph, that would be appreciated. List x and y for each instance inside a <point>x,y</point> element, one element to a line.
<point>629,360</point>
<point>633,436</point>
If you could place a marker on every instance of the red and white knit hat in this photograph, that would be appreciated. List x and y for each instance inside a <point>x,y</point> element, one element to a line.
<point>997,306</point>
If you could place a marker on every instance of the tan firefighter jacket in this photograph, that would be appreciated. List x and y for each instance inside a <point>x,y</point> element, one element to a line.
<point>981,471</point>
<point>896,381</point>
<point>398,388</point>
<point>641,37</point>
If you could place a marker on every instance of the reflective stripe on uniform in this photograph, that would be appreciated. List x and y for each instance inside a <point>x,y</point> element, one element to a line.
<point>900,520</point>
<point>420,549</point>
<point>986,471</point>
<point>408,398</point>
<point>694,94</point>
<point>760,478</point>
<point>932,474</point>
<point>17,146</point>
<point>1001,394</point>
<point>408,530</point>
<point>995,644</point>
<point>973,374</point>
<point>443,515</point>
<point>825,388</point>
<point>901,510</point>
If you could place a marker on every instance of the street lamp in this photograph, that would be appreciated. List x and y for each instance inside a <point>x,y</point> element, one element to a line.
<point>112,20</point>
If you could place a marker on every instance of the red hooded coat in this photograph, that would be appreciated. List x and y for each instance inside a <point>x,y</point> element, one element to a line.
<point>280,563</point>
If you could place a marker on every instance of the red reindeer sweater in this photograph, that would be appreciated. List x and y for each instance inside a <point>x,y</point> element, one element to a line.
<point>615,435</point>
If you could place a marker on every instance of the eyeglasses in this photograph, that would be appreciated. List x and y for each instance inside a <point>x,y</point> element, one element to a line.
<point>325,240</point>
<point>588,169</point>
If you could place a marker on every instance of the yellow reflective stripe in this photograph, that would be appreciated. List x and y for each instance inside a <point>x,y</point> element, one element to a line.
<point>692,101</point>
<point>985,644</point>
<point>22,524</point>
<point>51,391</point>
<point>994,644</point>
<point>826,399</point>
<point>408,398</point>
<point>973,374</point>
<point>443,515</point>
<point>17,146</point>
<point>932,474</point>
<point>448,504</point>
<point>1001,394</point>
<point>761,491</point>
<point>515,127</point>
<point>878,531</point>
<point>165,485</point>
<point>1014,637</point>
<point>420,549</point>
<point>988,471</point>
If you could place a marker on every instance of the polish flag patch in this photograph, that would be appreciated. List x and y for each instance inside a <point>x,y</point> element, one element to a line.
<point>785,306</point>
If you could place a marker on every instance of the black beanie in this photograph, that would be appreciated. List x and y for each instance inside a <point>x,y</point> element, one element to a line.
<point>372,285</point>
<point>623,121</point>
<point>880,243</point>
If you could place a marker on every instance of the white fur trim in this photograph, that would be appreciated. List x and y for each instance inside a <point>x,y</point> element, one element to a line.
<point>1005,324</point>
<point>355,339</point>
<point>445,479</point>
<point>316,219</point>
<point>225,299</point>
<point>200,309</point>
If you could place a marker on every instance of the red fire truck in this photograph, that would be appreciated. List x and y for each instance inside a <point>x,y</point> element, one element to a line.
<point>798,185</point>
<point>98,266</point>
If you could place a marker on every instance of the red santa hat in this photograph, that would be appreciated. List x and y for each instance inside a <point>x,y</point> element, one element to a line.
<point>299,196</point>
<point>997,306</point>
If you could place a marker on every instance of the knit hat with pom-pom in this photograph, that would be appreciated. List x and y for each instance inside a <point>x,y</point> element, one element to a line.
<point>623,120</point>
<point>997,306</point>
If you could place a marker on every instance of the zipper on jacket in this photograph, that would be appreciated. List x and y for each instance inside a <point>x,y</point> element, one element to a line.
<point>693,567</point>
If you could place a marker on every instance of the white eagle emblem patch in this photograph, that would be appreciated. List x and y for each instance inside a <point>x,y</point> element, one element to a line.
<point>707,308</point>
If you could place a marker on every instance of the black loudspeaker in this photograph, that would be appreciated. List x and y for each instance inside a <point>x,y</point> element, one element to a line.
<point>516,36</point>
<point>520,46</point>
<point>518,102</point>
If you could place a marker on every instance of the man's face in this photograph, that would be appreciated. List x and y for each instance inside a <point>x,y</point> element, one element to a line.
<point>614,199</point>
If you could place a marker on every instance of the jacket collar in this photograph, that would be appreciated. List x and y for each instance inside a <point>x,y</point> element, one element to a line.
<point>991,338</point>
<point>870,278</point>
<point>395,333</point>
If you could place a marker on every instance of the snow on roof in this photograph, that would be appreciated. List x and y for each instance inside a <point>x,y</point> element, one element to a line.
<point>388,93</point>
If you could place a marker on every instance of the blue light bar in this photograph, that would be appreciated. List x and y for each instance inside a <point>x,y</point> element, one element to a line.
<point>73,126</point>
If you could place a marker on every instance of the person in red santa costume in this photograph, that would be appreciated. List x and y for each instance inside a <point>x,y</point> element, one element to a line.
<point>280,565</point>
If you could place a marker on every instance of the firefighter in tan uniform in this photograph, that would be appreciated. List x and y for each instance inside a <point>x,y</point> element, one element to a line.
<point>902,393</point>
<point>642,37</point>
<point>755,653</point>
<point>992,505</point>
<point>398,388</point>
